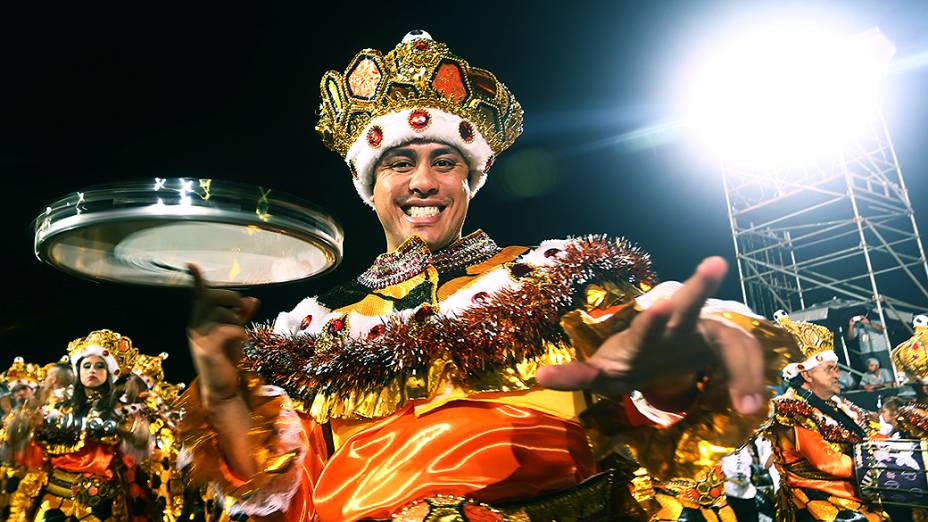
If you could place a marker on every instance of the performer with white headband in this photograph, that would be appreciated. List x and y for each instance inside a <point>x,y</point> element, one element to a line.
<point>813,431</point>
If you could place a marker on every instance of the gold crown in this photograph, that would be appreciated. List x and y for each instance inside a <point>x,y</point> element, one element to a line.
<point>812,339</point>
<point>116,349</point>
<point>911,356</point>
<point>149,368</point>
<point>419,72</point>
<point>169,392</point>
<point>23,373</point>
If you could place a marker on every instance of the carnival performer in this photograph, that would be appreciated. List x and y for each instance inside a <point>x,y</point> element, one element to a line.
<point>456,379</point>
<point>813,430</point>
<point>911,357</point>
<point>78,451</point>
<point>147,392</point>
<point>22,379</point>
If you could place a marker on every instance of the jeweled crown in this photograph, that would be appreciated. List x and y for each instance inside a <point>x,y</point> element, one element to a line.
<point>418,72</point>
<point>23,373</point>
<point>149,368</point>
<point>911,356</point>
<point>812,339</point>
<point>116,349</point>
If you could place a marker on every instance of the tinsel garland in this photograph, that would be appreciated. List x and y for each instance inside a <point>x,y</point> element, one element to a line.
<point>914,419</point>
<point>790,411</point>
<point>508,327</point>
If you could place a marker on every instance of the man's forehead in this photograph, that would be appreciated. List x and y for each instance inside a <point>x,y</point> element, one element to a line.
<point>421,146</point>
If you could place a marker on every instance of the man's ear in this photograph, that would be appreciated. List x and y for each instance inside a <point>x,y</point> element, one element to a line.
<point>806,376</point>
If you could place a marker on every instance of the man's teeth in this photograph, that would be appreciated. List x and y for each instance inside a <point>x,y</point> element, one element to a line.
<point>423,211</point>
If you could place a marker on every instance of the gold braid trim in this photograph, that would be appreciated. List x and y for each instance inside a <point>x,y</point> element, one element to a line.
<point>208,464</point>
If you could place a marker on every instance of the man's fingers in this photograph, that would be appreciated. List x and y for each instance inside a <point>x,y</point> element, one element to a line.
<point>575,375</point>
<point>248,308</point>
<point>199,283</point>
<point>688,300</point>
<point>219,297</point>
<point>225,316</point>
<point>742,357</point>
<point>648,327</point>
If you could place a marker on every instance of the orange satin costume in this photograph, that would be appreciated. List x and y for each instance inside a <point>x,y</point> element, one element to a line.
<point>454,427</point>
<point>812,452</point>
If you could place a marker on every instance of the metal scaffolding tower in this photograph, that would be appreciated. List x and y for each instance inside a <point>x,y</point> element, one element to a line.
<point>839,228</point>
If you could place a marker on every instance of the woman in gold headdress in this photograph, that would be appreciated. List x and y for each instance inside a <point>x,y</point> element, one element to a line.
<point>80,451</point>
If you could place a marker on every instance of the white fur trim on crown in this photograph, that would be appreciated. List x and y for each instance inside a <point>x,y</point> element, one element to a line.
<point>812,362</point>
<point>101,352</point>
<point>443,127</point>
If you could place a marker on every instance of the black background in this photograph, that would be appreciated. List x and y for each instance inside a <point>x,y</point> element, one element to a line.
<point>94,94</point>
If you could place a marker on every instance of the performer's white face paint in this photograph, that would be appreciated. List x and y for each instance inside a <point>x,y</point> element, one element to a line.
<point>92,371</point>
<point>422,189</point>
<point>823,380</point>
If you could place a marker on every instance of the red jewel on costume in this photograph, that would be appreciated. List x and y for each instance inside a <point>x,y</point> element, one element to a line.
<point>423,313</point>
<point>521,270</point>
<point>116,372</point>
<point>123,345</point>
<point>304,324</point>
<point>480,298</point>
<point>336,326</point>
<point>376,332</point>
<point>466,130</point>
<point>801,367</point>
<point>421,44</point>
<point>419,119</point>
<point>551,252</point>
<point>375,136</point>
<point>106,353</point>
<point>480,514</point>
<point>354,170</point>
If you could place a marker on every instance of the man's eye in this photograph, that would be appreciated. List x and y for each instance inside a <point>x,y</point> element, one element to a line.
<point>445,163</point>
<point>403,164</point>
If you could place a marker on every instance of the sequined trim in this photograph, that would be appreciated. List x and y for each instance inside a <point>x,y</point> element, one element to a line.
<point>413,256</point>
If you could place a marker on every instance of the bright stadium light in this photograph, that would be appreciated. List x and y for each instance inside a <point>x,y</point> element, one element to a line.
<point>787,94</point>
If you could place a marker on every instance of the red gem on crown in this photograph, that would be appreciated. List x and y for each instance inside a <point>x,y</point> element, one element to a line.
<point>480,298</point>
<point>421,44</point>
<point>376,332</point>
<point>466,130</point>
<point>423,313</point>
<point>551,252</point>
<point>336,326</point>
<point>304,324</point>
<point>521,270</point>
<point>106,353</point>
<point>375,136</point>
<point>419,119</point>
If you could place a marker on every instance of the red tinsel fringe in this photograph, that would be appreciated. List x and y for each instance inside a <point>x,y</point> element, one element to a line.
<point>511,325</point>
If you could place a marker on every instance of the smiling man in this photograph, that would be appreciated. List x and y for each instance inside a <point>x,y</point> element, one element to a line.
<point>454,378</point>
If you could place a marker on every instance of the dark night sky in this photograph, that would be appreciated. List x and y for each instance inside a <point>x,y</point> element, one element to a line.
<point>93,94</point>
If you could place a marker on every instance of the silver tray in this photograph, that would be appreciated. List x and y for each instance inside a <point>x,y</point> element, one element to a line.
<point>146,232</point>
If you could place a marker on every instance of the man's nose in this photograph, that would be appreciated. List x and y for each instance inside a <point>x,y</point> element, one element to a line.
<point>423,180</point>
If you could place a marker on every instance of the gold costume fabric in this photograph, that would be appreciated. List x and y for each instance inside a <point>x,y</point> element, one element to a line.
<point>415,397</point>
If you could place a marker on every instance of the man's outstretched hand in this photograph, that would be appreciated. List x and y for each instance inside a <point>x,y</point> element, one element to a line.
<point>216,333</point>
<point>669,339</point>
